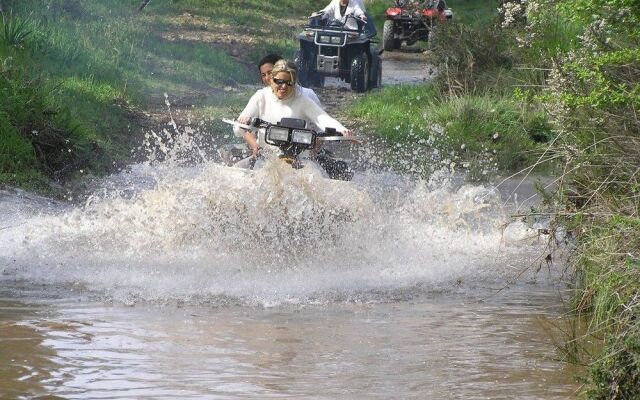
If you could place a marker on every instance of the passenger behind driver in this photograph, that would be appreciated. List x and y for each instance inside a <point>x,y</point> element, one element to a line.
<point>266,65</point>
<point>339,10</point>
<point>281,100</point>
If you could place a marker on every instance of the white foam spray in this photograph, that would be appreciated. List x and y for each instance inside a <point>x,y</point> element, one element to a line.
<point>216,234</point>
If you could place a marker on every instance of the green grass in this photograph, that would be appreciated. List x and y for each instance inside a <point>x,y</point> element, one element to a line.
<point>474,12</point>
<point>16,153</point>
<point>481,133</point>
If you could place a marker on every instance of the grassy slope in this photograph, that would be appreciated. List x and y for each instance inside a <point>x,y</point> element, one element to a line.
<point>87,66</point>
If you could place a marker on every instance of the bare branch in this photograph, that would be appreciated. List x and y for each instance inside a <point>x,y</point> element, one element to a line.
<point>141,6</point>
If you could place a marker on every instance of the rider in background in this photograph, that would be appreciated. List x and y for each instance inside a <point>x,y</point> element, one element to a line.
<point>368,22</point>
<point>281,99</point>
<point>340,9</point>
<point>265,66</point>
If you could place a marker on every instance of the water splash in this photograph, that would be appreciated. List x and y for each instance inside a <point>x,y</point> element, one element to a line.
<point>203,232</point>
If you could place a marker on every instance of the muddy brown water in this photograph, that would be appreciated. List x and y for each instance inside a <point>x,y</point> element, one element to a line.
<point>187,282</point>
<point>443,347</point>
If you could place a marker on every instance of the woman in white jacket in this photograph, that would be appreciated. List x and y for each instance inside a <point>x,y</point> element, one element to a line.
<point>282,99</point>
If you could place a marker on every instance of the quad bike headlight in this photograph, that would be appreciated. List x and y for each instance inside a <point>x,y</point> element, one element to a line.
<point>336,39</point>
<point>302,137</point>
<point>278,134</point>
<point>325,39</point>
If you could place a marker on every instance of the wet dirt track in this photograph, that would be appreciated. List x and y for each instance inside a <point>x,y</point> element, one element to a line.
<point>408,66</point>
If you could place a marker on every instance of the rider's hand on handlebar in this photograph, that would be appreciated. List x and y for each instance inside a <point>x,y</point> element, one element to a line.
<point>244,120</point>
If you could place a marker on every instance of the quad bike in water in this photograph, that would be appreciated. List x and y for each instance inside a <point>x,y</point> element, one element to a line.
<point>297,144</point>
<point>410,21</point>
<point>329,48</point>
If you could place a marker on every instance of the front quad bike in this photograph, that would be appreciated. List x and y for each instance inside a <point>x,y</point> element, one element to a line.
<point>298,146</point>
<point>409,21</point>
<point>331,49</point>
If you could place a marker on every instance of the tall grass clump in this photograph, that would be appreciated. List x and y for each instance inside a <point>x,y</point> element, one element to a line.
<point>15,30</point>
<point>473,59</point>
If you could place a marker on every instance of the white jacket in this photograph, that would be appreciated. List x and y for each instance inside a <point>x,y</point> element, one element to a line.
<point>332,12</point>
<point>310,94</point>
<point>266,106</point>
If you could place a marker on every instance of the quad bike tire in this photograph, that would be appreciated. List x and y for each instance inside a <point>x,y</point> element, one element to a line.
<point>360,73</point>
<point>388,42</point>
<point>376,81</point>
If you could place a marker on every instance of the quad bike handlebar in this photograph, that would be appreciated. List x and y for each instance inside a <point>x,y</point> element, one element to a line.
<point>329,135</point>
<point>292,137</point>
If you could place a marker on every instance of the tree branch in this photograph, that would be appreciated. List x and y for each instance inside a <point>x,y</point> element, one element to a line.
<point>140,7</point>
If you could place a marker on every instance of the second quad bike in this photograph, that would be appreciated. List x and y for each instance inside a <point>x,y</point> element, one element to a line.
<point>329,48</point>
<point>410,21</point>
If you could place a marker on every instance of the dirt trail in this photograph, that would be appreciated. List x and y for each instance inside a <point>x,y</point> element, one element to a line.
<point>403,67</point>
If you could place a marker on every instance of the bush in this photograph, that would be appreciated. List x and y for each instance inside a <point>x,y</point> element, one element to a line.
<point>472,59</point>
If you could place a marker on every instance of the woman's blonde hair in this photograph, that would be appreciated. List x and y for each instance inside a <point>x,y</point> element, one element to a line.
<point>283,65</point>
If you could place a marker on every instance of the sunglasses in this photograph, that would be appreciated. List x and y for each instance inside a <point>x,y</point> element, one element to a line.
<point>280,82</point>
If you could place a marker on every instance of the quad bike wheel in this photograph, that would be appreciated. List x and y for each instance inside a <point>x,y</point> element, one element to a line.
<point>360,73</point>
<point>376,81</point>
<point>388,42</point>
